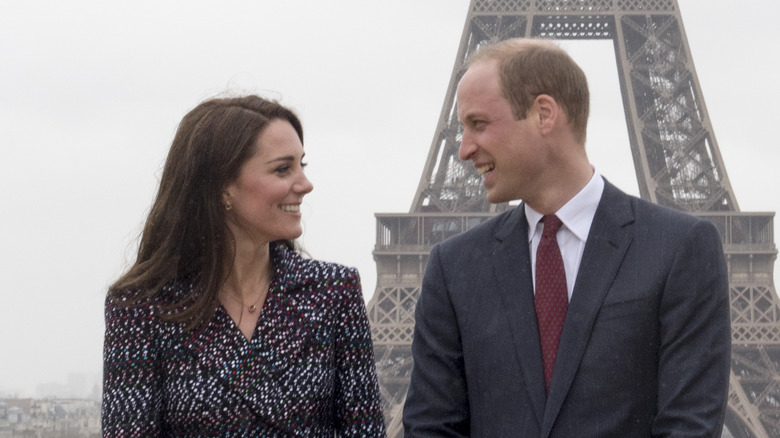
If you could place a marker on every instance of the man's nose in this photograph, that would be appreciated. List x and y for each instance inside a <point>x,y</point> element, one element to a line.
<point>467,146</point>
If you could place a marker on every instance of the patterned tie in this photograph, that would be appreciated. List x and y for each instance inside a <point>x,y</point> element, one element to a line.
<point>551,298</point>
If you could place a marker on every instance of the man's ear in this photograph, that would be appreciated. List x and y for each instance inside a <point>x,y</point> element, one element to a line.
<point>547,112</point>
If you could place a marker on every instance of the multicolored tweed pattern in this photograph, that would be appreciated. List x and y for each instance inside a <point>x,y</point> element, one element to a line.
<point>307,372</point>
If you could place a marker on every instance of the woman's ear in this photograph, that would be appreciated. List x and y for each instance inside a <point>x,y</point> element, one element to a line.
<point>226,200</point>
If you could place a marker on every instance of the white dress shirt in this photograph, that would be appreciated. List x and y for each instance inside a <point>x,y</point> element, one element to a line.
<point>577,216</point>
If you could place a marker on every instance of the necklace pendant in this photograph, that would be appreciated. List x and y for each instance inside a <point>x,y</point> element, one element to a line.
<point>252,308</point>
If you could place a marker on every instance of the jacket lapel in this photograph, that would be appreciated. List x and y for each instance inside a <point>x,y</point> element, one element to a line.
<point>512,271</point>
<point>609,238</point>
<point>253,369</point>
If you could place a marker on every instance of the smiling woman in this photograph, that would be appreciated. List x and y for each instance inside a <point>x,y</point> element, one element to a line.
<point>266,197</point>
<point>220,325</point>
<point>263,205</point>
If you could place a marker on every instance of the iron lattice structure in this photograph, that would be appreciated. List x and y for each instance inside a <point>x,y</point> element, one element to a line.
<point>678,164</point>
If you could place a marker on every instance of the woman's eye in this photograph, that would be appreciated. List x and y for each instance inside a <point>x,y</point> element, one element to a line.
<point>287,168</point>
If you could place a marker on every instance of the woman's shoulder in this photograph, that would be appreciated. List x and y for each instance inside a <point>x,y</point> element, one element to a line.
<point>152,298</point>
<point>147,311</point>
<point>321,269</point>
<point>300,269</point>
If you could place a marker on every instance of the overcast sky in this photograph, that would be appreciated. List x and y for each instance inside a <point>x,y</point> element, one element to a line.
<point>91,93</point>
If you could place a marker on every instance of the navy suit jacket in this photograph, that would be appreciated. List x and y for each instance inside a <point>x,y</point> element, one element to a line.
<point>645,349</point>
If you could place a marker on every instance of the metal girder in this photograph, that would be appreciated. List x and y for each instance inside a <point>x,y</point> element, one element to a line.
<point>678,164</point>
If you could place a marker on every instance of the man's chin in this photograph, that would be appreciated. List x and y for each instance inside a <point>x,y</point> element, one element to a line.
<point>495,197</point>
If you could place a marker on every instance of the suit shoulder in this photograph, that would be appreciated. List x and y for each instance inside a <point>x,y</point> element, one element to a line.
<point>663,216</point>
<point>616,203</point>
<point>483,231</point>
<point>663,224</point>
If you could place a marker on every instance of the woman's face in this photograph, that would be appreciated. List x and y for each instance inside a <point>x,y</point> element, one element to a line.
<point>266,197</point>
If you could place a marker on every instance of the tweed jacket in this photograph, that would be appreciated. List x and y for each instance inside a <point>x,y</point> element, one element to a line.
<point>308,370</point>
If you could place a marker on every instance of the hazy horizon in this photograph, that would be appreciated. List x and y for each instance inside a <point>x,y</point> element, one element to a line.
<point>93,92</point>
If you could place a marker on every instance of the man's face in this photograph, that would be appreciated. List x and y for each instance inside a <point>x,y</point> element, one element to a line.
<point>506,151</point>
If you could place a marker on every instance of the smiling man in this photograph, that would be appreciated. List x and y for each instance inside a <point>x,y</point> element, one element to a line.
<point>582,312</point>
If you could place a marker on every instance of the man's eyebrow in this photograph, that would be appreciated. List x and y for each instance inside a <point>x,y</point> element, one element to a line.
<point>470,117</point>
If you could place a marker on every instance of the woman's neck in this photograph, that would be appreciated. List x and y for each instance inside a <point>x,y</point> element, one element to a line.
<point>251,270</point>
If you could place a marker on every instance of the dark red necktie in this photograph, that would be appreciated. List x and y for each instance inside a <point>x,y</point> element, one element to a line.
<point>551,297</point>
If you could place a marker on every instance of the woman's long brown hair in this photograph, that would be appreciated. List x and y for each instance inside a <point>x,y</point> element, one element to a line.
<point>185,235</point>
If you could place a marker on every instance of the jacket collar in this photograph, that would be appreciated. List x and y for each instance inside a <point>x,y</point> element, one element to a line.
<point>254,369</point>
<point>609,238</point>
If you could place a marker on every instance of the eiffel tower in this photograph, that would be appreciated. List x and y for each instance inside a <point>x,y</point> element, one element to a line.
<point>677,162</point>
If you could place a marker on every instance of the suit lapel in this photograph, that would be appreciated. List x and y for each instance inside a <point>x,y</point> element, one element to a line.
<point>609,238</point>
<point>512,271</point>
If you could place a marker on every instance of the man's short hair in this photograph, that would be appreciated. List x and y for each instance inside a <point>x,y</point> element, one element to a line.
<point>530,67</point>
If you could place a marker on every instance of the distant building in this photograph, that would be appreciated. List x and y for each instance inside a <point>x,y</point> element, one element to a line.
<point>49,418</point>
<point>77,386</point>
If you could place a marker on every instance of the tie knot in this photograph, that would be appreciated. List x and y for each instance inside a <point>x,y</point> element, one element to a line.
<point>551,225</point>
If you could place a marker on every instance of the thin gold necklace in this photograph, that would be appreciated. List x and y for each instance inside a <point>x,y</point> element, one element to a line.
<point>250,308</point>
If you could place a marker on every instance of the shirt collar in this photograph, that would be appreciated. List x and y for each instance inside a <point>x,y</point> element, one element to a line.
<point>577,214</point>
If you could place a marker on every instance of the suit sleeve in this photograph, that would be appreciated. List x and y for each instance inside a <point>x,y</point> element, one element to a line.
<point>131,395</point>
<point>358,406</point>
<point>695,344</point>
<point>437,401</point>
